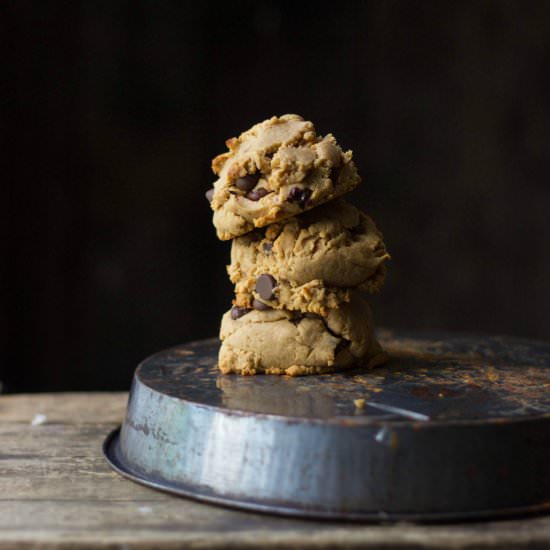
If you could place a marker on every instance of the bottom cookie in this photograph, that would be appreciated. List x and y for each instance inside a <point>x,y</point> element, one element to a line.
<point>295,344</point>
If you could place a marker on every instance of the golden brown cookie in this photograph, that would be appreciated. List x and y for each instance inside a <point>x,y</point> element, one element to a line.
<point>295,344</point>
<point>310,262</point>
<point>277,169</point>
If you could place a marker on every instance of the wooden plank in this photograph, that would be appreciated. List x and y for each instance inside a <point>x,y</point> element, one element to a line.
<point>74,408</point>
<point>56,491</point>
<point>185,524</point>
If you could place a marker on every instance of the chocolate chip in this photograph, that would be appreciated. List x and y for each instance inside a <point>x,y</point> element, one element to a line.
<point>248,182</point>
<point>209,195</point>
<point>342,344</point>
<point>260,306</point>
<point>264,286</point>
<point>238,312</point>
<point>299,196</point>
<point>267,247</point>
<point>257,194</point>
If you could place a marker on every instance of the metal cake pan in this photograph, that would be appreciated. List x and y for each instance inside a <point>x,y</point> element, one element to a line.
<point>453,427</point>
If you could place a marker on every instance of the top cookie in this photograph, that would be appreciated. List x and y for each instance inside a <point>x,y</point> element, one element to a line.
<point>276,170</point>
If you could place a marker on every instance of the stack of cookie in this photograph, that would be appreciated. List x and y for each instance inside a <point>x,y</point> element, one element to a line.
<point>302,259</point>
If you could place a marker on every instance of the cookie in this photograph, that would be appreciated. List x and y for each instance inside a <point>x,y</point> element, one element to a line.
<point>279,341</point>
<point>310,262</point>
<point>277,169</point>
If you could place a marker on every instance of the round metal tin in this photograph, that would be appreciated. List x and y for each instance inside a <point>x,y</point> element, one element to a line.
<point>451,427</point>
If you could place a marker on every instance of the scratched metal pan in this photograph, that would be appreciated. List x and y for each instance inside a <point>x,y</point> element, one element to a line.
<point>453,427</point>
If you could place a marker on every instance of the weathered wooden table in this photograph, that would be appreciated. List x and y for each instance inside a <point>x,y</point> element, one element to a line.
<point>56,491</point>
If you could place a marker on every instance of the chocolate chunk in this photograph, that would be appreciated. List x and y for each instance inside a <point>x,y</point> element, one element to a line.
<point>264,286</point>
<point>260,306</point>
<point>299,196</point>
<point>209,195</point>
<point>342,344</point>
<point>238,312</point>
<point>248,182</point>
<point>267,247</point>
<point>257,193</point>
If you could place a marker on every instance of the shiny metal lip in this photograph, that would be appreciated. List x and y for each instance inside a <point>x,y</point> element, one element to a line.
<point>380,422</point>
<point>429,423</point>
<point>299,448</point>
<point>204,494</point>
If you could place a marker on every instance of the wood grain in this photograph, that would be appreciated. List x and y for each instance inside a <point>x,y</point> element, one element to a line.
<point>56,491</point>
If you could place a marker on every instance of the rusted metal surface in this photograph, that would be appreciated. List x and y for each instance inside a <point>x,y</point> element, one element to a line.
<point>452,427</point>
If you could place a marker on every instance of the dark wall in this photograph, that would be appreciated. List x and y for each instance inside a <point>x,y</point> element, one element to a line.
<point>111,112</point>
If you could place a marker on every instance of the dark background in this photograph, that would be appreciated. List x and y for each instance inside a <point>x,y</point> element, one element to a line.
<point>111,112</point>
